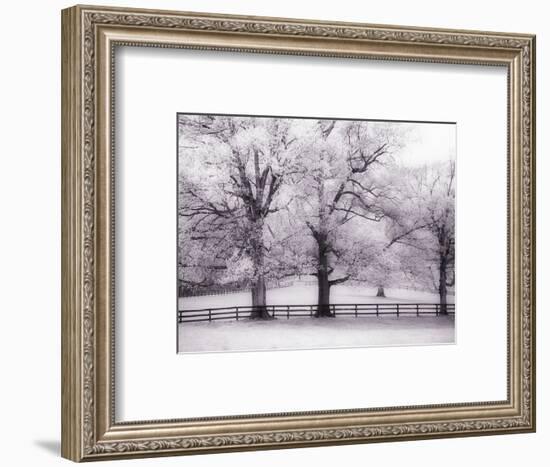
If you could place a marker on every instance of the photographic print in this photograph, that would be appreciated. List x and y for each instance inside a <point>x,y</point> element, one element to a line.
<point>308,233</point>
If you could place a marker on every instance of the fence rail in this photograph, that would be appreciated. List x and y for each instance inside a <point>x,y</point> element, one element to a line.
<point>338,309</point>
<point>210,291</point>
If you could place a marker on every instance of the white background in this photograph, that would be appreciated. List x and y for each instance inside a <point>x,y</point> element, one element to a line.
<point>30,237</point>
<point>194,385</point>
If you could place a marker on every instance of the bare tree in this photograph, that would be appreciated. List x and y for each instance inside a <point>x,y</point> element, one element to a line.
<point>240,164</point>
<point>340,187</point>
<point>424,222</point>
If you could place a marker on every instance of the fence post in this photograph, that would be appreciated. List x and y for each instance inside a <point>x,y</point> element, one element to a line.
<point>436,309</point>
<point>356,310</point>
<point>398,310</point>
<point>237,313</point>
<point>287,311</point>
<point>377,309</point>
<point>417,313</point>
<point>209,315</point>
<point>310,311</point>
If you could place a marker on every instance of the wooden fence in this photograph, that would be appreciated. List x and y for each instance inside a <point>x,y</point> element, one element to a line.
<point>182,292</point>
<point>293,311</point>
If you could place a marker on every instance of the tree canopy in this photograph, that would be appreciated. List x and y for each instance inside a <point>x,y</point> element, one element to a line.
<point>262,199</point>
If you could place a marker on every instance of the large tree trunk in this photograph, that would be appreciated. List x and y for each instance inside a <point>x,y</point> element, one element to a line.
<point>259,308</point>
<point>323,300</point>
<point>380,292</point>
<point>443,285</point>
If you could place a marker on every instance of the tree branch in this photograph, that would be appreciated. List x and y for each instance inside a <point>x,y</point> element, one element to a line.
<point>338,281</point>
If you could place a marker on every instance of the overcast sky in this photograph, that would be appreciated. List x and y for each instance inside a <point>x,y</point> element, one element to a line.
<point>428,142</point>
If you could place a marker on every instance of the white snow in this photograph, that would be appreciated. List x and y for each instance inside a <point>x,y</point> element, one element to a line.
<point>307,295</point>
<point>314,333</point>
<point>309,333</point>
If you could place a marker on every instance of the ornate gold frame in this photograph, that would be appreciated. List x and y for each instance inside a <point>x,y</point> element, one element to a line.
<point>89,34</point>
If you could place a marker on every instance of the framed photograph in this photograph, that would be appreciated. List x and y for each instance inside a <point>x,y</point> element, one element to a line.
<point>307,218</point>
<point>284,233</point>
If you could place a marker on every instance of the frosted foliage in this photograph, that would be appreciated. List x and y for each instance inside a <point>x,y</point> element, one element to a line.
<point>332,200</point>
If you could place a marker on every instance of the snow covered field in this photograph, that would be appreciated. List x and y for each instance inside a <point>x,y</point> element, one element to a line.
<point>313,333</point>
<point>307,295</point>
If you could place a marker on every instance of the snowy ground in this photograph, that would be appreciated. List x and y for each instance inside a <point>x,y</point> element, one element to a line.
<point>314,333</point>
<point>308,333</point>
<point>307,295</point>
